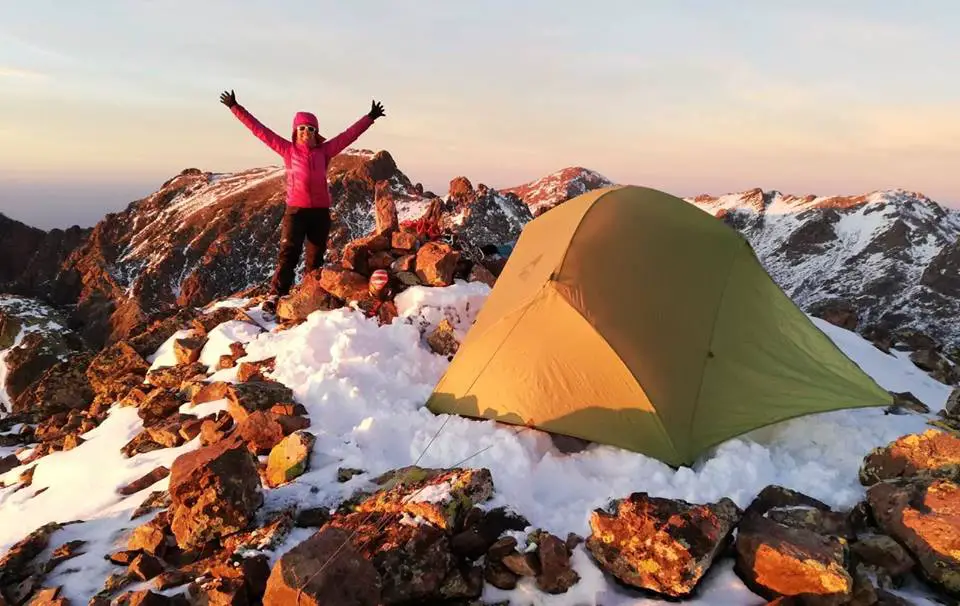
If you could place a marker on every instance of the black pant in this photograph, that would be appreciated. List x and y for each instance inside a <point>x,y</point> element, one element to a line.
<point>312,224</point>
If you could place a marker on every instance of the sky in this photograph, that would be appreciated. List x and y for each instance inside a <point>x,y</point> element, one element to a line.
<point>102,101</point>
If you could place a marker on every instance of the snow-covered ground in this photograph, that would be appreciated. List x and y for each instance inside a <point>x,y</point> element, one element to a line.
<point>364,387</point>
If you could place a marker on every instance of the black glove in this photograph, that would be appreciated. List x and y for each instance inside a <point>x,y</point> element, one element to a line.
<point>228,99</point>
<point>376,110</point>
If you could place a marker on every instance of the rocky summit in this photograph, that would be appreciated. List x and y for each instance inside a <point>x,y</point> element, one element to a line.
<point>156,449</point>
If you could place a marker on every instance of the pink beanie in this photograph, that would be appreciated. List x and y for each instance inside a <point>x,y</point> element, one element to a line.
<point>305,118</point>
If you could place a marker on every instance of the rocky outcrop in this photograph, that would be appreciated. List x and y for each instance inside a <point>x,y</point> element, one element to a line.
<point>558,187</point>
<point>933,453</point>
<point>661,545</point>
<point>325,570</point>
<point>923,515</point>
<point>215,491</point>
<point>30,258</point>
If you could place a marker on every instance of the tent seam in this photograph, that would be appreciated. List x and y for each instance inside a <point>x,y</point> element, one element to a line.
<point>663,429</point>
<point>506,338</point>
<point>566,249</point>
<point>706,357</point>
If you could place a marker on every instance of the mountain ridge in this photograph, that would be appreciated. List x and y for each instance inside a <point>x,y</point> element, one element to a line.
<point>891,254</point>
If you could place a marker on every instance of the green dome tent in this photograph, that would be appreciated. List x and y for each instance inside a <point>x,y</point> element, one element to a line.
<point>629,317</point>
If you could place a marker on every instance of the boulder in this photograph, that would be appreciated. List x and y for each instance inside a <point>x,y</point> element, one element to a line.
<point>27,362</point>
<point>63,386</point>
<point>774,561</point>
<point>435,264</point>
<point>661,545</point>
<point>345,284</point>
<point>480,273</point>
<point>173,377</point>
<point>214,491</point>
<point>15,563</point>
<point>405,241</point>
<point>245,398</point>
<point>387,221</point>
<point>554,573</point>
<point>151,537</point>
<point>305,298</point>
<point>188,350</point>
<point>115,361</point>
<point>882,553</point>
<point>923,515</point>
<point>443,340</point>
<point>158,405</point>
<point>414,561</point>
<point>261,431</point>
<point>482,529</point>
<point>839,312</point>
<point>325,570</point>
<point>933,453</point>
<point>145,481</point>
<point>441,497</point>
<point>290,458</point>
<point>904,401</point>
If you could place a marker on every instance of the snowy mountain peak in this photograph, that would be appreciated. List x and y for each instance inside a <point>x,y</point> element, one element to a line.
<point>557,187</point>
<point>890,252</point>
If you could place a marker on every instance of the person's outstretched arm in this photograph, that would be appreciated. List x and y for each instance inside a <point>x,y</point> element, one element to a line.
<point>337,144</point>
<point>272,139</point>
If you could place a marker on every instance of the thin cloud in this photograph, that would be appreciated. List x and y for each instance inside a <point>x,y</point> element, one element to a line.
<point>26,74</point>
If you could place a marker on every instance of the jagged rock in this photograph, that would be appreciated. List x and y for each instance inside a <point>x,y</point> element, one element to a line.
<point>313,517</point>
<point>144,567</point>
<point>215,491</point>
<point>8,462</point>
<point>816,520</point>
<point>188,350</point>
<point>345,284</point>
<point>480,273</point>
<point>151,537</point>
<point>906,401</point>
<point>923,515</point>
<point>386,210</point>
<point>49,596</point>
<point>345,474</point>
<point>148,597</point>
<point>116,361</point>
<point>214,430</point>
<point>483,529</point>
<point>313,573</point>
<point>435,264</point>
<point>522,564</point>
<point>173,377</point>
<point>159,404</point>
<point>413,560</point>
<point>267,538</point>
<point>290,458</point>
<point>253,371</point>
<point>442,497</point>
<point>933,453</point>
<point>405,241</point>
<point>839,312</point>
<point>883,553</point>
<point>305,298</point>
<point>63,386</point>
<point>26,362</point>
<point>555,576</point>
<point>248,574</point>
<point>14,565</point>
<point>661,545</point>
<point>261,431</point>
<point>775,560</point>
<point>145,481</point>
<point>443,340</point>
<point>158,499</point>
<point>245,398</point>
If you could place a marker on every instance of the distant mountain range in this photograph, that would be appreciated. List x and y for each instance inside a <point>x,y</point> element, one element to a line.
<point>891,255</point>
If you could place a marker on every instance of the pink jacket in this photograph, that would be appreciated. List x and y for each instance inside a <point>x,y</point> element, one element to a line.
<point>306,168</point>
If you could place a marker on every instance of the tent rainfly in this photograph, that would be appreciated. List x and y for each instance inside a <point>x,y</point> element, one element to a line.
<point>630,317</point>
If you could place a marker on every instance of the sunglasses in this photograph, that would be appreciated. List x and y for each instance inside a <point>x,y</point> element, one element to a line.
<point>307,128</point>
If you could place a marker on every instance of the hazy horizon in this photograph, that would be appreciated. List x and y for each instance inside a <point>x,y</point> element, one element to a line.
<point>102,104</point>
